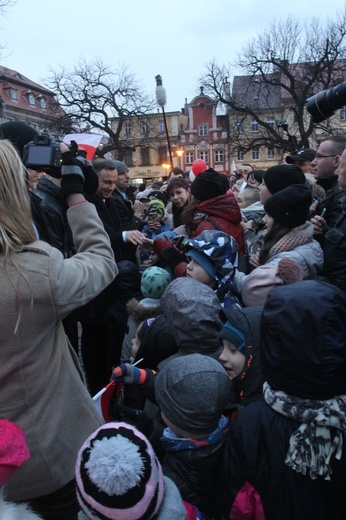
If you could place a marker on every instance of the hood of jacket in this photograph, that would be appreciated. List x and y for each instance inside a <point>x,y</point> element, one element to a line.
<point>157,344</point>
<point>303,340</point>
<point>143,309</point>
<point>224,206</point>
<point>192,310</point>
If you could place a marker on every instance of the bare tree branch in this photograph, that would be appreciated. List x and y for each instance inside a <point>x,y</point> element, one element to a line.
<point>92,94</point>
<point>282,68</point>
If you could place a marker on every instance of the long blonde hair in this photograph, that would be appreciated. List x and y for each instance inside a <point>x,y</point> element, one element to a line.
<point>16,228</point>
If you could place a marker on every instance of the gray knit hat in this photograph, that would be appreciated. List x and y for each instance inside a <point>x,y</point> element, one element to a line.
<point>192,391</point>
<point>121,167</point>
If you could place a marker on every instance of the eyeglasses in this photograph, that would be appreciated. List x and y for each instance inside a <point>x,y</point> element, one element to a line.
<point>323,156</point>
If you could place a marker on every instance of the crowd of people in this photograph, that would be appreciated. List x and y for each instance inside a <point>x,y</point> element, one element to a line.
<point>173,352</point>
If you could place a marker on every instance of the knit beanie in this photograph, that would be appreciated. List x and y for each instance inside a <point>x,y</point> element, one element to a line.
<point>154,207</point>
<point>216,252</point>
<point>154,282</point>
<point>192,391</point>
<point>118,475</point>
<point>234,335</point>
<point>197,167</point>
<point>209,184</point>
<point>121,167</point>
<point>264,278</point>
<point>18,133</point>
<point>290,206</point>
<point>13,449</point>
<point>281,176</point>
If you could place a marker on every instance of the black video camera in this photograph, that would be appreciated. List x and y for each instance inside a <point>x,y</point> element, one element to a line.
<point>323,105</point>
<point>43,153</point>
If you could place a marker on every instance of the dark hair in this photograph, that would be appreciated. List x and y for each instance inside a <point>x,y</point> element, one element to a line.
<point>103,164</point>
<point>176,171</point>
<point>271,238</point>
<point>339,143</point>
<point>177,182</point>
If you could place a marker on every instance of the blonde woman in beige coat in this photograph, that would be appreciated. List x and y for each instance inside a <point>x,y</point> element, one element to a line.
<point>42,385</point>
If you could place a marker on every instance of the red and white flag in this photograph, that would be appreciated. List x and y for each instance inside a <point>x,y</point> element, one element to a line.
<point>103,398</point>
<point>89,142</point>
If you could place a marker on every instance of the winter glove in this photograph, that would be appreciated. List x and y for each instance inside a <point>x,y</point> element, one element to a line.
<point>78,175</point>
<point>131,375</point>
<point>91,181</point>
<point>72,178</point>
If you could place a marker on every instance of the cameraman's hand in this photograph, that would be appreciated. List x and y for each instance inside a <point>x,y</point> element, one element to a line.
<point>72,178</point>
<point>91,181</point>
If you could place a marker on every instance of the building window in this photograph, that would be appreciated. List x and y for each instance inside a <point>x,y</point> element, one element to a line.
<point>145,128</point>
<point>240,155</point>
<point>271,153</point>
<point>12,93</point>
<point>162,127</point>
<point>162,151</point>
<point>254,126</point>
<point>145,156</point>
<point>189,157</point>
<point>218,155</point>
<point>31,98</point>
<point>342,114</point>
<point>271,122</point>
<point>204,156</point>
<point>239,126</point>
<point>202,130</point>
<point>128,158</point>
<point>43,103</point>
<point>127,129</point>
<point>255,153</point>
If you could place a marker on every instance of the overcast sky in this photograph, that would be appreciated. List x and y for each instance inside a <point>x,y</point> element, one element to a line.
<point>173,38</point>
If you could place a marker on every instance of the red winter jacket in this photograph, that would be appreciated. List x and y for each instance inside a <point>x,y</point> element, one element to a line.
<point>224,210</point>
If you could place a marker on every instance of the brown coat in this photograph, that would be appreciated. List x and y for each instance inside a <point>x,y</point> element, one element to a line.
<point>42,385</point>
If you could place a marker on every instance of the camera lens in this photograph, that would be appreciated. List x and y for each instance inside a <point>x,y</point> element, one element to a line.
<point>322,105</point>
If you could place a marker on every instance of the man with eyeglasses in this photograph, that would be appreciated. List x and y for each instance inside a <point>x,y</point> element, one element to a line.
<point>324,166</point>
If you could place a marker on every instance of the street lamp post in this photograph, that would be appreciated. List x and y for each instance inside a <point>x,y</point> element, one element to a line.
<point>161,101</point>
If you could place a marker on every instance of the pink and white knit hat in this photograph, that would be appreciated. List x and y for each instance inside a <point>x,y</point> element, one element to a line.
<point>118,475</point>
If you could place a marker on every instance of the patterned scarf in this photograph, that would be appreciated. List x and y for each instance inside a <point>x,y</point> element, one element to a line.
<point>294,238</point>
<point>172,442</point>
<point>318,438</point>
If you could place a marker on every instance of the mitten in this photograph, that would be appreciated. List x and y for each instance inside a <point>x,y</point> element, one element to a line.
<point>131,375</point>
<point>72,178</point>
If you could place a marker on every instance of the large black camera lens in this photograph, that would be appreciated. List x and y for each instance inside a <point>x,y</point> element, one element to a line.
<point>322,105</point>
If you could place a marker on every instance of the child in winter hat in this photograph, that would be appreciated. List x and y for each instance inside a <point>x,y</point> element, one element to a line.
<point>240,337</point>
<point>153,283</point>
<point>192,392</point>
<point>119,477</point>
<point>213,258</point>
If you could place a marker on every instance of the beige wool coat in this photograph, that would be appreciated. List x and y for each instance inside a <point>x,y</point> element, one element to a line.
<point>41,382</point>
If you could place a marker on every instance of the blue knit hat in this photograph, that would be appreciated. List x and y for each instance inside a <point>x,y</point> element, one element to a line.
<point>234,335</point>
